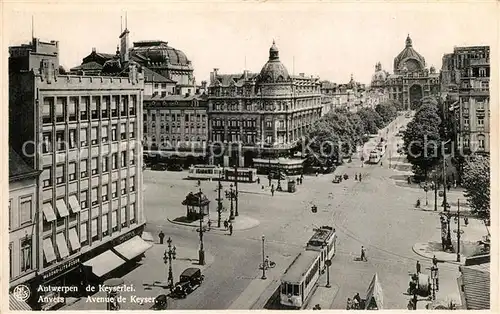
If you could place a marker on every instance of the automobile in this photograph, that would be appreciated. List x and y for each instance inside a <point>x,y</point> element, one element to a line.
<point>337,179</point>
<point>174,167</point>
<point>190,279</point>
<point>159,167</point>
<point>160,303</point>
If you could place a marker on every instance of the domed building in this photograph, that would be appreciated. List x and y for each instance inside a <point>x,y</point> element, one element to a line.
<point>266,112</point>
<point>411,80</point>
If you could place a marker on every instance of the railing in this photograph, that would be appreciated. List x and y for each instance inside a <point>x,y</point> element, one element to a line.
<point>482,61</point>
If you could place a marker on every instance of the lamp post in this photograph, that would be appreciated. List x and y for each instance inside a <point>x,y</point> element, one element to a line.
<point>458,230</point>
<point>236,189</point>
<point>426,189</point>
<point>278,188</point>
<point>328,263</point>
<point>445,203</point>
<point>219,200</point>
<point>231,195</point>
<point>201,252</point>
<point>434,281</point>
<point>263,259</point>
<point>435,192</point>
<point>167,258</point>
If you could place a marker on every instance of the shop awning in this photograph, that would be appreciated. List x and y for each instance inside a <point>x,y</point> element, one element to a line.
<point>48,212</point>
<point>74,204</point>
<point>74,241</point>
<point>62,245</point>
<point>18,305</point>
<point>48,250</point>
<point>104,263</point>
<point>132,248</point>
<point>61,208</point>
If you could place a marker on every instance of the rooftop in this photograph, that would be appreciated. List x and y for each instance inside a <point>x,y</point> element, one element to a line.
<point>299,267</point>
<point>476,286</point>
<point>18,168</point>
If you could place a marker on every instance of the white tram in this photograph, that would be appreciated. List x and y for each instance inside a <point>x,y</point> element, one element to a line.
<point>323,241</point>
<point>298,282</point>
<point>206,172</point>
<point>374,157</point>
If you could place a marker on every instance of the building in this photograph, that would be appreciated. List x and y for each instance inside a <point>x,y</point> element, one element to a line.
<point>23,225</point>
<point>466,77</point>
<point>176,128</point>
<point>266,114</point>
<point>474,286</point>
<point>83,134</point>
<point>411,80</point>
<point>377,93</point>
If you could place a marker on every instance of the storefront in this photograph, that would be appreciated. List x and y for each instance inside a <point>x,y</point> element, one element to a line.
<point>284,165</point>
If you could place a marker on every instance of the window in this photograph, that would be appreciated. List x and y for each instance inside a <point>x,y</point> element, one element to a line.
<point>94,197</point>
<point>72,171</point>
<point>480,121</point>
<point>481,140</point>
<point>94,166</point>
<point>84,110</point>
<point>60,109</point>
<point>132,213</point>
<point>124,106</point>
<point>173,117</point>
<point>105,107</point>
<point>10,213</point>
<point>60,140</point>
<point>72,138</point>
<point>60,174</point>
<point>123,132</point>
<point>269,124</point>
<point>26,260</point>
<point>132,183</point>
<point>84,199</point>
<point>47,176</point>
<point>132,157</point>
<point>83,137</point>
<point>466,122</point>
<point>131,130</point>
<point>104,166</point>
<point>47,110</point>
<point>113,132</point>
<point>104,192</point>
<point>163,94</point>
<point>47,143</point>
<point>73,103</point>
<point>25,211</point>
<point>186,118</point>
<point>114,189</point>
<point>104,134</point>
<point>11,261</point>
<point>124,159</point>
<point>269,139</point>
<point>115,101</point>
<point>133,105</point>
<point>83,168</point>
<point>114,161</point>
<point>93,135</point>
<point>124,186</point>
<point>94,107</point>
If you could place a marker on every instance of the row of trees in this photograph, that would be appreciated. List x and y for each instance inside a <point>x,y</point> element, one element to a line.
<point>338,133</point>
<point>425,139</point>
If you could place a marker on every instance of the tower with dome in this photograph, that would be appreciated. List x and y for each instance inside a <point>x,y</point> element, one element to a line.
<point>265,113</point>
<point>410,81</point>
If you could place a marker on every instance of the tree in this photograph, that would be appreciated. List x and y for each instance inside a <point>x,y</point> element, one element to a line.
<point>386,111</point>
<point>372,121</point>
<point>476,181</point>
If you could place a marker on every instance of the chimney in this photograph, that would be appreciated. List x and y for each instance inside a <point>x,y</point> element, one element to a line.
<point>203,85</point>
<point>93,50</point>
<point>213,75</point>
<point>301,74</point>
<point>246,74</point>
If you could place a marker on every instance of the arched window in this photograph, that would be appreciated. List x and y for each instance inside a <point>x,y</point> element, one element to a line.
<point>481,142</point>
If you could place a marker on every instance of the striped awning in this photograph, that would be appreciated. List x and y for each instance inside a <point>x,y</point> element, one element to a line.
<point>18,305</point>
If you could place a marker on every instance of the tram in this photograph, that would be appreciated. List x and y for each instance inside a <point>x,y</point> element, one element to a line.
<point>374,157</point>
<point>299,280</point>
<point>323,241</point>
<point>212,172</point>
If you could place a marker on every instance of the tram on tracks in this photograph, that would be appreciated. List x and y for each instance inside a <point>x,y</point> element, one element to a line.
<point>323,241</point>
<point>212,172</point>
<point>300,279</point>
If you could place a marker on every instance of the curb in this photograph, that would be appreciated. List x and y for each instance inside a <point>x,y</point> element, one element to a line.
<point>430,258</point>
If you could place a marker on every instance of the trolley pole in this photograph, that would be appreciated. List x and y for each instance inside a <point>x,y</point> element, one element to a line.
<point>236,189</point>
<point>435,192</point>
<point>201,253</point>
<point>219,200</point>
<point>263,259</point>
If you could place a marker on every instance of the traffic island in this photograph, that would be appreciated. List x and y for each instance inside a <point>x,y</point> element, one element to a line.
<point>430,249</point>
<point>240,222</point>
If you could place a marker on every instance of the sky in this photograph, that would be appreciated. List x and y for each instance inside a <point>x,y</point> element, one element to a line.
<point>325,39</point>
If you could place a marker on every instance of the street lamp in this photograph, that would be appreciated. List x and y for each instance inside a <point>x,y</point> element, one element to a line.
<point>231,196</point>
<point>426,189</point>
<point>167,258</point>
<point>445,203</point>
<point>328,263</point>
<point>219,200</point>
<point>263,259</point>
<point>278,188</point>
<point>458,230</point>
<point>236,189</point>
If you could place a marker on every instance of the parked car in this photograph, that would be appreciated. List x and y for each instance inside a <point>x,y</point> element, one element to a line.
<point>159,167</point>
<point>174,167</point>
<point>160,303</point>
<point>337,179</point>
<point>190,279</point>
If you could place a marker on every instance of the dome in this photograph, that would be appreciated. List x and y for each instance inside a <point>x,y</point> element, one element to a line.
<point>409,58</point>
<point>273,71</point>
<point>159,51</point>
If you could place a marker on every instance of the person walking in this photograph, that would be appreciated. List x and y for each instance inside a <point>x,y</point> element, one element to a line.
<point>359,177</point>
<point>363,254</point>
<point>226,224</point>
<point>418,267</point>
<point>349,304</point>
<point>356,176</point>
<point>209,224</point>
<point>434,261</point>
<point>272,190</point>
<point>230,228</point>
<point>258,181</point>
<point>357,301</point>
<point>161,236</point>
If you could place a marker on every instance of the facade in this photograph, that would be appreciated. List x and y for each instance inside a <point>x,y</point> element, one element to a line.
<point>468,75</point>
<point>265,113</point>
<point>83,133</point>
<point>410,81</point>
<point>176,127</point>
<point>23,225</point>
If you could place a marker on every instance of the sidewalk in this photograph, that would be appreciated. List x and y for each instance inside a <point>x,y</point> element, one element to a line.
<point>146,280</point>
<point>241,222</point>
<point>257,293</point>
<point>470,235</point>
<point>323,296</point>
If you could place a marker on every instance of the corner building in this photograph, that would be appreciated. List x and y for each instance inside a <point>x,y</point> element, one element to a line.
<point>265,113</point>
<point>83,133</point>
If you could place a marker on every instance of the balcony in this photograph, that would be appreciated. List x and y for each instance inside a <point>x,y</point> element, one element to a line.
<point>482,61</point>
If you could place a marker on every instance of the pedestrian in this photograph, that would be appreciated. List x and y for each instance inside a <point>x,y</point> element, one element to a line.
<point>381,164</point>
<point>226,224</point>
<point>316,173</point>
<point>356,176</point>
<point>301,178</point>
<point>449,187</point>
<point>357,301</point>
<point>199,182</point>
<point>409,180</point>
<point>269,177</point>
<point>466,220</point>
<point>363,254</point>
<point>161,236</point>
<point>434,261</point>
<point>359,176</point>
<point>418,267</point>
<point>272,190</point>
<point>266,262</point>
<point>349,304</point>
<point>209,223</point>
<point>258,180</point>
<point>454,184</point>
<point>230,228</point>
